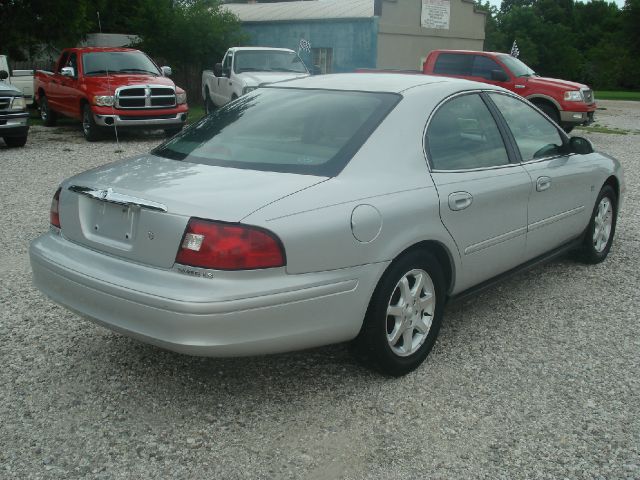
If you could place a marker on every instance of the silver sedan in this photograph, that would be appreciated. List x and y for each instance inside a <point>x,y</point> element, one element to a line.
<point>330,209</point>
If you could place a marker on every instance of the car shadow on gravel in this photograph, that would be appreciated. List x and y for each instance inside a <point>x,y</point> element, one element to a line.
<point>471,326</point>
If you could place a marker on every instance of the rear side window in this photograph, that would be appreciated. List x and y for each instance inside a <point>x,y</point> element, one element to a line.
<point>453,64</point>
<point>312,132</point>
<point>463,135</point>
<point>535,135</point>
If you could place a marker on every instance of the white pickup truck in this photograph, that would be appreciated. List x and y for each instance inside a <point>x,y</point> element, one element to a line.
<point>21,79</point>
<point>244,69</point>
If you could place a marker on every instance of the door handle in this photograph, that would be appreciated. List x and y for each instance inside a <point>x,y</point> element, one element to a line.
<point>460,200</point>
<point>543,183</point>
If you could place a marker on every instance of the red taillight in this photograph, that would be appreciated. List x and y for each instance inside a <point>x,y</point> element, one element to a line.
<point>54,213</point>
<point>224,246</point>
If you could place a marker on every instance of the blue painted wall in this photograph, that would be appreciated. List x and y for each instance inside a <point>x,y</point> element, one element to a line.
<point>354,41</point>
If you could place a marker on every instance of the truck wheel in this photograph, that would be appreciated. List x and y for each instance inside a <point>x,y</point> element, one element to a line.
<point>13,142</point>
<point>90,130</point>
<point>209,106</point>
<point>48,116</point>
<point>550,111</point>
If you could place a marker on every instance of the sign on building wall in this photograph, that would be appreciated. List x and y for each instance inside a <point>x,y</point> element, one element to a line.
<point>436,14</point>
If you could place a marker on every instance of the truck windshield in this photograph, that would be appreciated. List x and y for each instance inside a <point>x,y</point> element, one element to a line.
<point>518,68</point>
<point>100,63</point>
<point>268,61</point>
<point>305,131</point>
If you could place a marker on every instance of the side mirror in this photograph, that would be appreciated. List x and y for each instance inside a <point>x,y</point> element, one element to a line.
<point>580,145</point>
<point>499,76</point>
<point>217,69</point>
<point>67,72</point>
<point>4,74</point>
<point>166,71</point>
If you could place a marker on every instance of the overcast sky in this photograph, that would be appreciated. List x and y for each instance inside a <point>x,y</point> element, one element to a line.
<point>497,3</point>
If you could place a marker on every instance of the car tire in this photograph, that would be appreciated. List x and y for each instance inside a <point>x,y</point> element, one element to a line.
<point>404,315</point>
<point>209,106</point>
<point>13,142</point>
<point>550,111</point>
<point>90,129</point>
<point>48,116</point>
<point>599,234</point>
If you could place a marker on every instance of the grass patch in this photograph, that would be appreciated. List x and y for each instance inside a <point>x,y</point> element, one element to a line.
<point>611,95</point>
<point>600,129</point>
<point>196,112</point>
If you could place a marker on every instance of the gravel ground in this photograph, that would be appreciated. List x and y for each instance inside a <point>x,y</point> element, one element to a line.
<point>536,378</point>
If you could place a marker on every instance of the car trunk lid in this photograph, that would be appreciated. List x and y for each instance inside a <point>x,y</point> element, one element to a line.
<point>138,209</point>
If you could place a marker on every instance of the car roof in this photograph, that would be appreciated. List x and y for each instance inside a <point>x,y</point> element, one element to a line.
<point>468,52</point>
<point>377,82</point>
<point>101,49</point>
<point>241,49</point>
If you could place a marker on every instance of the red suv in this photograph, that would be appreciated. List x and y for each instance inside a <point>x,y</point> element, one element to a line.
<point>567,103</point>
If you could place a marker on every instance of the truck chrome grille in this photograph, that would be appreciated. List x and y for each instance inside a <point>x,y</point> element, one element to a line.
<point>588,96</point>
<point>147,96</point>
<point>5,102</point>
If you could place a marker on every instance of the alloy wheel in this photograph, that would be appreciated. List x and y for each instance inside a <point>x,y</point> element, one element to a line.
<point>603,222</point>
<point>410,312</point>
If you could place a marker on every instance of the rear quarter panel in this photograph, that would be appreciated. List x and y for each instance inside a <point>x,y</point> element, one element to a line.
<point>390,174</point>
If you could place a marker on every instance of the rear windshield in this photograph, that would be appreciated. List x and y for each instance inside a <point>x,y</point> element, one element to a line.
<point>100,63</point>
<point>268,61</point>
<point>311,132</point>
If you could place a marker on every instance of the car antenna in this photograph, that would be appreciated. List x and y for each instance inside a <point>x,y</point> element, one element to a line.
<point>115,126</point>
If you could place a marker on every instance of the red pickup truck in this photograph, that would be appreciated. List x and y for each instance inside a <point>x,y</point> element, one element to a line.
<point>567,103</point>
<point>110,87</point>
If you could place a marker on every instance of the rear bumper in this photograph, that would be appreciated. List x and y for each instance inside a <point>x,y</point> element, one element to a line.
<point>246,313</point>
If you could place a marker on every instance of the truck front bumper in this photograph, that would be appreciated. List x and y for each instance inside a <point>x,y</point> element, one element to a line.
<point>14,124</point>
<point>576,118</point>
<point>148,121</point>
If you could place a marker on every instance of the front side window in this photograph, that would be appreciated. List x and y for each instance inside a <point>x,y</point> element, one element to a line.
<point>311,132</point>
<point>63,61</point>
<point>73,63</point>
<point>323,59</point>
<point>453,64</point>
<point>483,66</point>
<point>226,64</point>
<point>535,135</point>
<point>463,135</point>
<point>101,63</point>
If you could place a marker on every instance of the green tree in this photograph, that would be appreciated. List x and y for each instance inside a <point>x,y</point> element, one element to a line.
<point>29,25</point>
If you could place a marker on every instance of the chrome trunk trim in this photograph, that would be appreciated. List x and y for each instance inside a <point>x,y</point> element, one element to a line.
<point>110,196</point>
